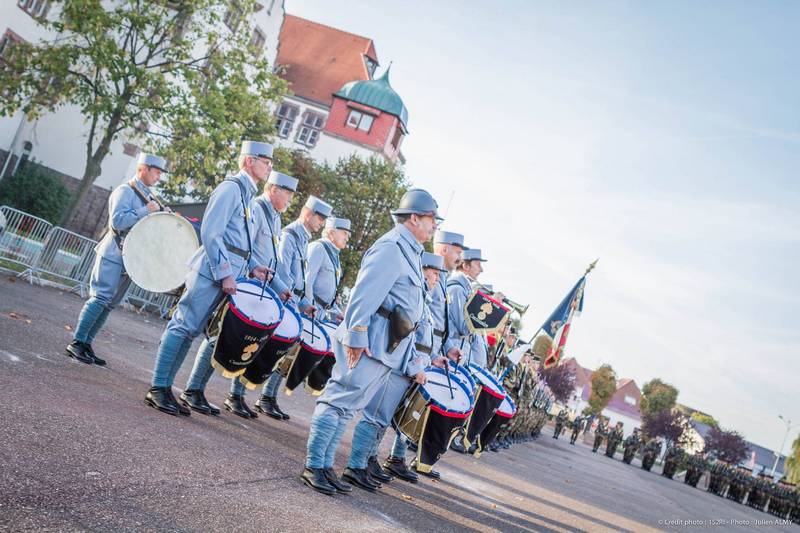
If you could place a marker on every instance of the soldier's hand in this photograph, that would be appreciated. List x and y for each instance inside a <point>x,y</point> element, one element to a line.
<point>152,206</point>
<point>229,285</point>
<point>310,311</point>
<point>439,362</point>
<point>286,296</point>
<point>261,273</point>
<point>420,377</point>
<point>354,354</point>
<point>454,354</point>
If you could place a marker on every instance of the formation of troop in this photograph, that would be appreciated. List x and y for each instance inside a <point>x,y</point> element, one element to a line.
<point>407,350</point>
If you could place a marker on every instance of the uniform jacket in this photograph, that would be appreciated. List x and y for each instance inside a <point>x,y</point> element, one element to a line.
<point>390,276</point>
<point>323,275</point>
<point>125,209</point>
<point>267,239</point>
<point>437,306</point>
<point>423,336</point>
<point>475,351</point>
<point>293,260</point>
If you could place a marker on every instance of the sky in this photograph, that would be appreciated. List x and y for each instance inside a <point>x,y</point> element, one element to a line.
<point>661,137</point>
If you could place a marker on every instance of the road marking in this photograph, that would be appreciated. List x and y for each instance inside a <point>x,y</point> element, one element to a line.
<point>11,357</point>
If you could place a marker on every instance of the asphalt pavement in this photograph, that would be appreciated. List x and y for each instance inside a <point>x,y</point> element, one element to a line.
<point>79,451</point>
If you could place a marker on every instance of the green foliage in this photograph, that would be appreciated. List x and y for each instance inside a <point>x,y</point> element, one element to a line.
<point>657,396</point>
<point>36,191</point>
<point>705,419</point>
<point>793,463</point>
<point>604,385</point>
<point>171,71</point>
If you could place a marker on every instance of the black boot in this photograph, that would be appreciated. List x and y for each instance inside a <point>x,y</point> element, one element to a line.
<point>192,400</point>
<point>250,412</point>
<point>96,360</point>
<point>473,448</point>
<point>340,486</point>
<point>315,478</point>
<point>159,398</point>
<point>183,411</point>
<point>398,467</point>
<point>77,350</point>
<point>235,404</point>
<point>284,415</point>
<point>458,445</point>
<point>360,478</point>
<point>375,470</point>
<point>266,405</point>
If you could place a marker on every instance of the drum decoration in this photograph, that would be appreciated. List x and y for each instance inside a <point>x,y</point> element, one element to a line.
<point>488,398</point>
<point>282,340</point>
<point>315,345</point>
<point>156,251</point>
<point>504,413</point>
<point>246,321</point>
<point>430,415</point>
<point>485,314</point>
<point>321,373</point>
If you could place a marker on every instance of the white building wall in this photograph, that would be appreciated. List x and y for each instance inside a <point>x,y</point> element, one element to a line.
<point>628,423</point>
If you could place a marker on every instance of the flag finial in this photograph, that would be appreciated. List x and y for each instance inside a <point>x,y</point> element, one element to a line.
<point>592,265</point>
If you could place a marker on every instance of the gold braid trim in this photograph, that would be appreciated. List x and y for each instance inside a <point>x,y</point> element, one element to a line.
<point>225,373</point>
<point>425,469</point>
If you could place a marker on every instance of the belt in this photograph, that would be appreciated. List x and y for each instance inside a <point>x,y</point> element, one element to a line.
<point>298,293</point>
<point>422,348</point>
<point>385,313</point>
<point>238,251</point>
<point>322,302</point>
<point>439,333</point>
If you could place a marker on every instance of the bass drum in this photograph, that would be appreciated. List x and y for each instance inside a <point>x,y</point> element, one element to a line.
<point>320,374</point>
<point>490,394</point>
<point>430,415</point>
<point>504,413</point>
<point>156,251</point>
<point>315,345</point>
<point>245,322</point>
<point>282,340</point>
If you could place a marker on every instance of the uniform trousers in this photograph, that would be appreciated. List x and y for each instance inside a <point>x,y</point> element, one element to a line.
<point>107,286</point>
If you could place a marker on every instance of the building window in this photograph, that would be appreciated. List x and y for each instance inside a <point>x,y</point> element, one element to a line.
<point>359,120</point>
<point>286,115</point>
<point>398,134</point>
<point>257,41</point>
<point>630,400</point>
<point>371,65</point>
<point>234,15</point>
<point>310,128</point>
<point>34,8</point>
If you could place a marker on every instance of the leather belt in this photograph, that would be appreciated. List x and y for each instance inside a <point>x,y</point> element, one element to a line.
<point>238,251</point>
<point>322,302</point>
<point>439,333</point>
<point>422,348</point>
<point>298,293</point>
<point>385,313</point>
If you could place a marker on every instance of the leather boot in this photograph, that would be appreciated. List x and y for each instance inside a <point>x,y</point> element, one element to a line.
<point>360,478</point>
<point>266,405</point>
<point>250,412</point>
<point>235,404</point>
<point>458,445</point>
<point>191,399</point>
<point>398,467</point>
<point>77,350</point>
<point>340,486</point>
<point>315,478</point>
<point>277,407</point>
<point>375,470</point>
<point>96,360</point>
<point>183,411</point>
<point>159,398</point>
<point>212,409</point>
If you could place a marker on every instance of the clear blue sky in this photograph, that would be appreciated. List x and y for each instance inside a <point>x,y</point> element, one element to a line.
<point>662,137</point>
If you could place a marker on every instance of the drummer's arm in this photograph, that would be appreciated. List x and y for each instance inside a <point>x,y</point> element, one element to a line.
<point>221,208</point>
<point>124,209</point>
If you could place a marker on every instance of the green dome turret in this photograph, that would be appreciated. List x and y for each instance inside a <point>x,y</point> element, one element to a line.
<point>376,93</point>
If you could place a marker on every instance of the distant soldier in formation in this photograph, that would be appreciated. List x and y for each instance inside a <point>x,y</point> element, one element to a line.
<point>614,438</point>
<point>651,450</point>
<point>672,459</point>
<point>631,445</point>
<point>599,434</point>
<point>577,425</point>
<point>695,466</point>
<point>561,418</point>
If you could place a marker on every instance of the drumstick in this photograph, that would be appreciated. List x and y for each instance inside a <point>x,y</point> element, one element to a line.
<point>442,385</point>
<point>447,373</point>
<point>263,288</point>
<point>262,295</point>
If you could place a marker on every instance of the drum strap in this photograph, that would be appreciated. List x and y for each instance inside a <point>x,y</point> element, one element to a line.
<point>244,213</point>
<point>272,235</point>
<point>120,235</point>
<point>336,269</point>
<point>446,333</point>
<point>301,294</point>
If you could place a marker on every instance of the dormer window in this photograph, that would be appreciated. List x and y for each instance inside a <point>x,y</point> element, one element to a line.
<point>371,66</point>
<point>359,120</point>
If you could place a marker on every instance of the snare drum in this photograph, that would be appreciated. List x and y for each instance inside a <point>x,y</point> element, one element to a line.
<point>315,344</point>
<point>429,416</point>
<point>283,338</point>
<point>490,394</point>
<point>321,373</point>
<point>245,322</point>
<point>464,375</point>
<point>504,413</point>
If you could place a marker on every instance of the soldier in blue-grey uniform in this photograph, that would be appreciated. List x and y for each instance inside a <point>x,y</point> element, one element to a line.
<point>266,211</point>
<point>293,261</point>
<point>377,415</point>
<point>324,272</point>
<point>375,337</point>
<point>127,205</point>
<point>227,234</point>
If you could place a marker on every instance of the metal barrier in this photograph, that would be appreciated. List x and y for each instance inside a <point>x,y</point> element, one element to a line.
<point>140,300</point>
<point>22,239</point>
<point>65,260</point>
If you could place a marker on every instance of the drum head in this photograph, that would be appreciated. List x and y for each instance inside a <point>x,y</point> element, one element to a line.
<point>253,305</point>
<point>331,328</point>
<point>157,249</point>
<point>485,378</point>
<point>436,391</point>
<point>507,408</point>
<point>314,337</point>
<point>465,376</point>
<point>289,328</point>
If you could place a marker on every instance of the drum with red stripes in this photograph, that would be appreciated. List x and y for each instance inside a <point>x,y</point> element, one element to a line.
<point>315,345</point>
<point>321,373</point>
<point>504,413</point>
<point>283,339</point>
<point>488,397</point>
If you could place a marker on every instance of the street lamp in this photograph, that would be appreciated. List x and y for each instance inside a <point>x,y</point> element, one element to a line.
<point>789,426</point>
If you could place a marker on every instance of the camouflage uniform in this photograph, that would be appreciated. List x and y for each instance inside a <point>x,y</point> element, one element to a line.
<point>630,446</point>
<point>599,434</point>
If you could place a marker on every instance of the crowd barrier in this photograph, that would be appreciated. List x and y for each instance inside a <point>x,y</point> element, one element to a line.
<point>45,254</point>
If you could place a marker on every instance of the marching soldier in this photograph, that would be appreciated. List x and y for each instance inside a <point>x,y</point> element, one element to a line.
<point>671,460</point>
<point>293,261</point>
<point>325,269</point>
<point>266,213</point>
<point>599,434</point>
<point>127,205</point>
<point>385,306</point>
<point>576,426</point>
<point>630,445</point>
<point>651,450</point>
<point>459,287</point>
<point>226,254</point>
<point>614,438</point>
<point>561,418</point>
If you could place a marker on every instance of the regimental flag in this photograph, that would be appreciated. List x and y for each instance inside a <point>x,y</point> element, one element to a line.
<point>561,320</point>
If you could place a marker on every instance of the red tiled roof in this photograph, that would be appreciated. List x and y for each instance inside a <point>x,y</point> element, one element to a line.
<point>319,59</point>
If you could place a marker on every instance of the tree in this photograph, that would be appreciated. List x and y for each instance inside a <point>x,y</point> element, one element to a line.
<point>705,419</point>
<point>668,423</point>
<point>604,385</point>
<point>657,396</point>
<point>561,380</point>
<point>793,463</point>
<point>36,191</point>
<point>139,68</point>
<point>727,445</point>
